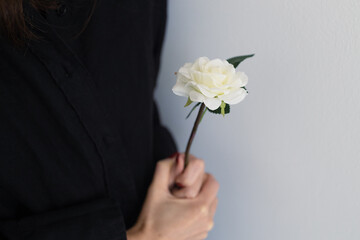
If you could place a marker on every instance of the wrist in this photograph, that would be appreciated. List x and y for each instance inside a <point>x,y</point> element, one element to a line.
<point>131,235</point>
<point>136,233</point>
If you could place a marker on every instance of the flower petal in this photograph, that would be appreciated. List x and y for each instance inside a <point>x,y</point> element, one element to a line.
<point>199,63</point>
<point>234,97</point>
<point>211,81</point>
<point>218,79</point>
<point>214,66</point>
<point>206,91</point>
<point>242,76</point>
<point>184,70</point>
<point>196,96</point>
<point>180,89</point>
<point>212,103</point>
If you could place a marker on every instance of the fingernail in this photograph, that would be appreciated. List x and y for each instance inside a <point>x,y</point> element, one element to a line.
<point>173,155</point>
<point>179,185</point>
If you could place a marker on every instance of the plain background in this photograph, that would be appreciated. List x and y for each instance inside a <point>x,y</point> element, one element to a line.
<point>288,156</point>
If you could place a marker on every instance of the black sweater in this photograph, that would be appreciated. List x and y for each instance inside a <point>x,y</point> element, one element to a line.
<point>79,130</point>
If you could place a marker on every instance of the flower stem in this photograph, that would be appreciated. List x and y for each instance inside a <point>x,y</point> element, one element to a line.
<point>193,132</point>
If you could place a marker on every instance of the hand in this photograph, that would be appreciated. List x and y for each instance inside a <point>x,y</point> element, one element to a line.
<point>188,182</point>
<point>166,217</point>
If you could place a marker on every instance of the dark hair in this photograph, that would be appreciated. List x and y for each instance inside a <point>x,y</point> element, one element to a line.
<point>16,26</point>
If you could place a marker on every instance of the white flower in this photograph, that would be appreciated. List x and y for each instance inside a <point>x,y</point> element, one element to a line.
<point>211,82</point>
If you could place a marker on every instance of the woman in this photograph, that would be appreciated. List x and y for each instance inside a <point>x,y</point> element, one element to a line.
<point>80,133</point>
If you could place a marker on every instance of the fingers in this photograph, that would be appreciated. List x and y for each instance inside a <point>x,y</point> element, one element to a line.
<point>191,191</point>
<point>205,184</point>
<point>195,168</point>
<point>206,204</point>
<point>200,236</point>
<point>213,207</point>
<point>200,229</point>
<point>165,173</point>
<point>209,189</point>
<point>205,223</point>
<point>190,180</point>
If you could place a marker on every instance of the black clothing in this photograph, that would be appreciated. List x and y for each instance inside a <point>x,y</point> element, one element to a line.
<point>79,130</point>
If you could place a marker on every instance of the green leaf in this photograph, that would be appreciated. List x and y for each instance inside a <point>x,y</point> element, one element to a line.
<point>193,110</point>
<point>218,110</point>
<point>235,61</point>
<point>188,102</point>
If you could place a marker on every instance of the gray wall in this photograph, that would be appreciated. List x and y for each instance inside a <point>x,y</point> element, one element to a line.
<point>288,156</point>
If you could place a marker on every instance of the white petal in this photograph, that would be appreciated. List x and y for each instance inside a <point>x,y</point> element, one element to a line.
<point>201,88</point>
<point>212,103</point>
<point>198,77</point>
<point>182,78</point>
<point>180,89</point>
<point>218,79</point>
<point>196,96</point>
<point>206,91</point>
<point>214,66</point>
<point>242,76</point>
<point>234,97</point>
<point>184,70</point>
<point>200,63</point>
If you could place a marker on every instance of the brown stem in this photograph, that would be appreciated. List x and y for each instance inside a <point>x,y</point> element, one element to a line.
<point>193,132</point>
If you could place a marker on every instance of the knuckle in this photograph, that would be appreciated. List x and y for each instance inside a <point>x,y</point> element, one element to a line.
<point>200,163</point>
<point>200,209</point>
<point>192,156</point>
<point>159,167</point>
<point>204,210</point>
<point>164,163</point>
<point>160,163</point>
<point>204,236</point>
<point>210,225</point>
<point>211,177</point>
<point>178,194</point>
<point>214,181</point>
<point>184,181</point>
<point>191,193</point>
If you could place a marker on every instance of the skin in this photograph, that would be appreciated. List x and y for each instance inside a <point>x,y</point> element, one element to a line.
<point>173,213</point>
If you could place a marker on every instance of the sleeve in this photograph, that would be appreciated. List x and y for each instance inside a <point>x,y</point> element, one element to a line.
<point>25,212</point>
<point>26,190</point>
<point>99,219</point>
<point>164,144</point>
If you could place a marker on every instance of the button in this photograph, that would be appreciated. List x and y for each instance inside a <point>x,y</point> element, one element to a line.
<point>61,11</point>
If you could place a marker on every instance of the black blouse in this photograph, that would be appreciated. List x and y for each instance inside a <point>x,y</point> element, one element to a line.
<point>79,130</point>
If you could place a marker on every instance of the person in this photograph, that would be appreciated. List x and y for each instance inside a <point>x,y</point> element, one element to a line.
<point>83,153</point>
